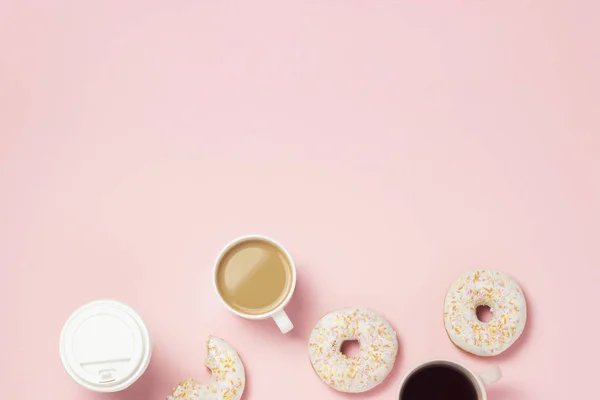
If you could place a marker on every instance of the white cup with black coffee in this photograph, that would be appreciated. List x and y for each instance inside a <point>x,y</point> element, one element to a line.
<point>445,379</point>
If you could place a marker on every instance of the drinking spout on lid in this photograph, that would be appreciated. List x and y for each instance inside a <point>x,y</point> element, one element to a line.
<point>107,375</point>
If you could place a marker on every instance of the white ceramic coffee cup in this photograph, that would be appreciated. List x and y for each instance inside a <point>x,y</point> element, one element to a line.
<point>479,381</point>
<point>278,314</point>
<point>105,346</point>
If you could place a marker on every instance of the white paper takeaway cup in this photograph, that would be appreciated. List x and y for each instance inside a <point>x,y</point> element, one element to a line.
<point>105,346</point>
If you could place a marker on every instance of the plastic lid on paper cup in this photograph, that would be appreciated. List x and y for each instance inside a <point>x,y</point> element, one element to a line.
<point>105,346</point>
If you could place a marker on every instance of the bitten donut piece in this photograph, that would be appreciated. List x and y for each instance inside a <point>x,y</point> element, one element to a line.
<point>228,375</point>
<point>502,294</point>
<point>375,358</point>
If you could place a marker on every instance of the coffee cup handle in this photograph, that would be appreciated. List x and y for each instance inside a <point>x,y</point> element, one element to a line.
<point>492,375</point>
<point>283,321</point>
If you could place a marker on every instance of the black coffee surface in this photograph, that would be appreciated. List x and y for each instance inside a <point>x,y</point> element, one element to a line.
<point>438,382</point>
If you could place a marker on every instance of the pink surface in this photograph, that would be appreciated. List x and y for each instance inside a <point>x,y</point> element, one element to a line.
<point>390,145</point>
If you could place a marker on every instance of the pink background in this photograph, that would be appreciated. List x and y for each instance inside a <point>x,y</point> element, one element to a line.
<point>390,145</point>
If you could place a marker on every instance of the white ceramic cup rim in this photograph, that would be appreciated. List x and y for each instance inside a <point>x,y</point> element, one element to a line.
<point>244,238</point>
<point>481,393</point>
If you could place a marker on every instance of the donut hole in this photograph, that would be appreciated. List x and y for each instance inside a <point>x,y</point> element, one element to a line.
<point>350,348</point>
<point>484,313</point>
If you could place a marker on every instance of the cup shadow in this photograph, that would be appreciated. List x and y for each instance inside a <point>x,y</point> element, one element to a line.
<point>301,306</point>
<point>504,393</point>
<point>145,387</point>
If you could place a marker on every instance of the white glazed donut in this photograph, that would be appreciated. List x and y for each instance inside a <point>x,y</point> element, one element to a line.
<point>228,375</point>
<point>502,294</point>
<point>376,356</point>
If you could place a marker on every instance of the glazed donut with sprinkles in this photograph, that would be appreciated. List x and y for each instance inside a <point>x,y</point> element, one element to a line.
<point>502,294</point>
<point>228,375</point>
<point>376,356</point>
